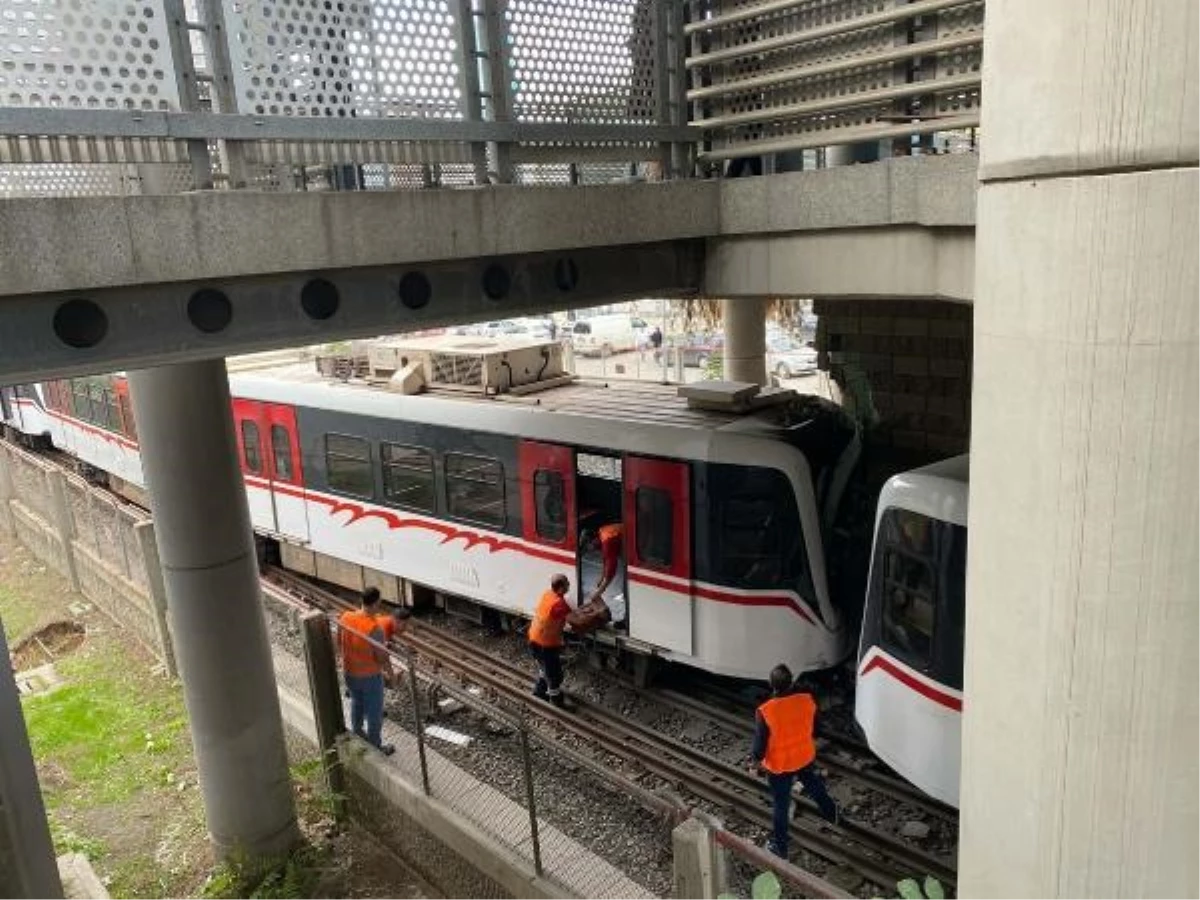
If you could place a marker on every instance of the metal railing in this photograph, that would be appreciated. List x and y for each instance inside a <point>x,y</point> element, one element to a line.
<point>162,96</point>
<point>157,96</point>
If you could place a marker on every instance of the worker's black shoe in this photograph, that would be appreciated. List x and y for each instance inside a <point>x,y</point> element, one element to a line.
<point>541,694</point>
<point>387,749</point>
<point>561,702</point>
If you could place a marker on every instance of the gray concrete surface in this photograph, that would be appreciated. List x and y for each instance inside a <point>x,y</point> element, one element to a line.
<point>206,550</point>
<point>1080,726</point>
<point>140,260</point>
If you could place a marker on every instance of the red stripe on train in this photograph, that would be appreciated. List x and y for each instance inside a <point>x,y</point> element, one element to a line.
<point>879,661</point>
<point>724,596</point>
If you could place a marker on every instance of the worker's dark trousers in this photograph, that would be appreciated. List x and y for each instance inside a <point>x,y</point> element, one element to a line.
<point>366,703</point>
<point>781,803</point>
<point>550,674</point>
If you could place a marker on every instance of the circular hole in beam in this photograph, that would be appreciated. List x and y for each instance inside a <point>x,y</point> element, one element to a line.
<point>415,290</point>
<point>80,323</point>
<point>209,310</point>
<point>566,274</point>
<point>496,282</point>
<point>319,299</point>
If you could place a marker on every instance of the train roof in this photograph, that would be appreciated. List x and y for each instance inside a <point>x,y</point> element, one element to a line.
<point>587,412</point>
<point>939,491</point>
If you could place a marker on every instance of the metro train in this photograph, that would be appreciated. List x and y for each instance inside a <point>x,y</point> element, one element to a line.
<point>908,698</point>
<point>728,517</point>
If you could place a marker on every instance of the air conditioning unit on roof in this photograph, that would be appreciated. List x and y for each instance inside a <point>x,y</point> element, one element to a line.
<point>472,363</point>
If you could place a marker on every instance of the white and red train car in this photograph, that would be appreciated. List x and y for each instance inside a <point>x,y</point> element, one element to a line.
<point>725,514</point>
<point>910,660</point>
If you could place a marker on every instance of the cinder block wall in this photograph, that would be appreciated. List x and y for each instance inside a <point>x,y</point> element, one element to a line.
<point>915,358</point>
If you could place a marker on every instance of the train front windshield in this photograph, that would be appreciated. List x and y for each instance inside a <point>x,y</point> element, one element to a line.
<point>915,607</point>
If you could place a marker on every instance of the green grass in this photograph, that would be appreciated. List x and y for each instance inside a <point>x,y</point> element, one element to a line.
<point>109,729</point>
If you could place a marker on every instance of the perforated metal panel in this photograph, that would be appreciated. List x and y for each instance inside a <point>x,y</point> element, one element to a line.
<point>345,58</point>
<point>92,54</point>
<point>70,180</point>
<point>580,61</point>
<point>963,60</point>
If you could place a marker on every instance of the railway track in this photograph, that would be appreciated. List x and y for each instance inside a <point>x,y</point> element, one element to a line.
<point>879,858</point>
<point>855,770</point>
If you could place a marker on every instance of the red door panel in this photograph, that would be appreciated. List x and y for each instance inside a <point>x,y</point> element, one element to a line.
<point>658,496</point>
<point>284,442</point>
<point>547,477</point>
<point>250,426</point>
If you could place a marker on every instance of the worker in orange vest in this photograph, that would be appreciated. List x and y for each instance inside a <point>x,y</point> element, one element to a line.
<point>546,639</point>
<point>366,664</point>
<point>784,747</point>
<point>609,539</point>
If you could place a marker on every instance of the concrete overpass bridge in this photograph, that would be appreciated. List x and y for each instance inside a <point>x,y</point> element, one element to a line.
<point>184,179</point>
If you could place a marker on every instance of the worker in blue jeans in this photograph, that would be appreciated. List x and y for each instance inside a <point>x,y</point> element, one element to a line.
<point>784,747</point>
<point>365,663</point>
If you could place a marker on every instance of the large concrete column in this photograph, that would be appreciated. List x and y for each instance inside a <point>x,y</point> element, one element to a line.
<point>1080,727</point>
<point>206,548</point>
<point>27,863</point>
<point>745,339</point>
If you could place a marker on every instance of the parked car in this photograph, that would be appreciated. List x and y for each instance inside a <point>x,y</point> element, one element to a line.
<point>699,348</point>
<point>605,334</point>
<point>788,358</point>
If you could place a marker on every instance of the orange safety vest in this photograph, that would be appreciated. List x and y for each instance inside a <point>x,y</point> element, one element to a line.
<point>790,744</point>
<point>358,654</point>
<point>546,631</point>
<point>387,624</point>
<point>607,532</point>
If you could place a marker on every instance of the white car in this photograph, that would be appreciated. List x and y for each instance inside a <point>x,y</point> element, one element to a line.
<point>788,358</point>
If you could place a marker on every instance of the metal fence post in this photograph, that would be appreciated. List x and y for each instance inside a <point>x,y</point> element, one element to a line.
<point>62,523</point>
<point>415,696</point>
<point>326,702</point>
<point>143,533</point>
<point>468,80</point>
<point>491,46</point>
<point>529,798</point>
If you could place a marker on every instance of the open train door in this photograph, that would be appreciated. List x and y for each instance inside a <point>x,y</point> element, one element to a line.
<point>658,548</point>
<point>269,453</point>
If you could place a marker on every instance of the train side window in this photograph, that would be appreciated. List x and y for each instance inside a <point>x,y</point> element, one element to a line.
<point>408,476</point>
<point>348,465</point>
<point>549,501</point>
<point>250,446</point>
<point>112,415</point>
<point>475,488</point>
<point>655,526</point>
<point>281,452</point>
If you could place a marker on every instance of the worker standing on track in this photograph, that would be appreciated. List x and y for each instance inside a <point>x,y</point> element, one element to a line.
<point>784,747</point>
<point>365,663</point>
<point>546,640</point>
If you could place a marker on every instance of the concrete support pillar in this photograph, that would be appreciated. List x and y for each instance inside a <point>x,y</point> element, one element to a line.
<point>1080,724</point>
<point>7,492</point>
<point>27,864</point>
<point>206,549</point>
<point>697,869</point>
<point>56,487</point>
<point>745,339</point>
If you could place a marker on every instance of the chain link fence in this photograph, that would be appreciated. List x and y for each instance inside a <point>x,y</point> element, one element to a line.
<point>487,763</point>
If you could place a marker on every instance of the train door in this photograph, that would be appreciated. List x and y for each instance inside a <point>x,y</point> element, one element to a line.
<point>658,547</point>
<point>269,452</point>
<point>547,477</point>
<point>598,489</point>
